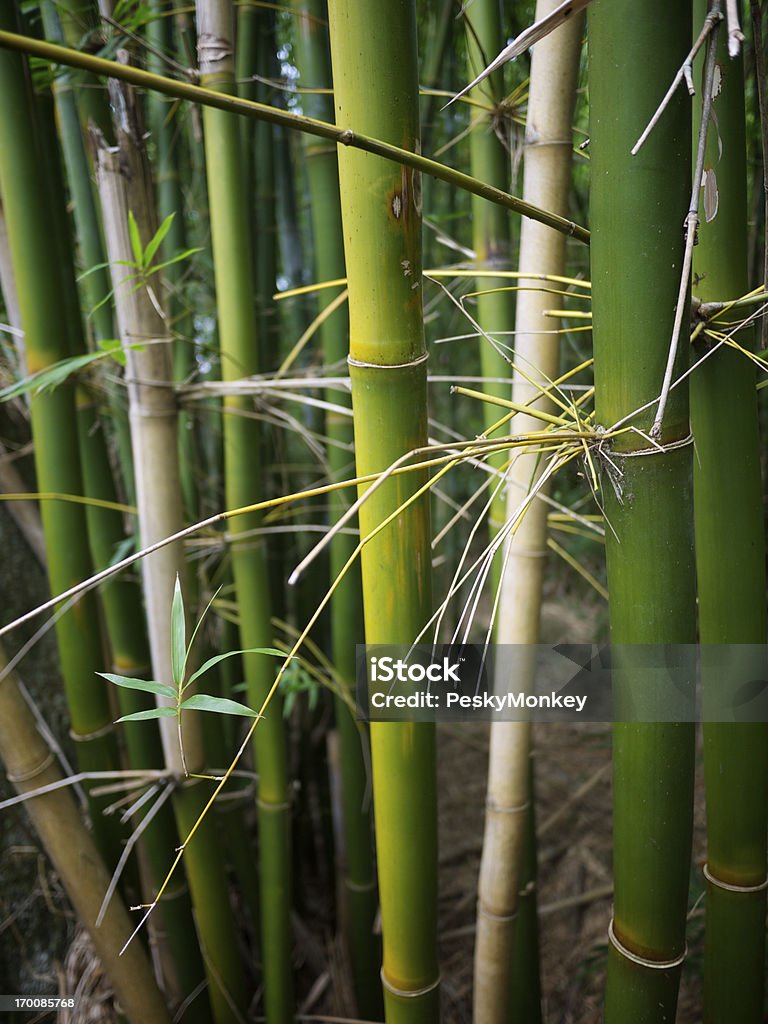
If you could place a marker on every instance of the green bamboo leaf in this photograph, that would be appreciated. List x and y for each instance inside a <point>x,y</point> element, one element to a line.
<point>133,231</point>
<point>157,240</point>
<point>220,657</point>
<point>183,255</point>
<point>221,705</point>
<point>178,635</point>
<point>148,685</point>
<point>49,378</point>
<point>143,716</point>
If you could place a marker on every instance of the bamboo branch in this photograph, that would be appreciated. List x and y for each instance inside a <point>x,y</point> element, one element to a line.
<point>273,115</point>
<point>691,227</point>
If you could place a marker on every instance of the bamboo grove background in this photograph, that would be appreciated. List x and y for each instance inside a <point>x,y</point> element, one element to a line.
<point>395,378</point>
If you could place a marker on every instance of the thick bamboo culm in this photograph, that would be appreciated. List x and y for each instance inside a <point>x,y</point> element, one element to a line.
<point>546,169</point>
<point>730,562</point>
<point>638,207</point>
<point>124,186</point>
<point>360,896</point>
<point>373,51</point>
<point>30,765</point>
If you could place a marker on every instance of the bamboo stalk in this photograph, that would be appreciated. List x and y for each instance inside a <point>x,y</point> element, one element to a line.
<point>40,279</point>
<point>344,136</point>
<point>360,896</point>
<point>638,205</point>
<point>29,764</point>
<point>243,478</point>
<point>124,187</point>
<point>381,209</point>
<point>491,237</point>
<point>554,71</point>
<point>730,561</point>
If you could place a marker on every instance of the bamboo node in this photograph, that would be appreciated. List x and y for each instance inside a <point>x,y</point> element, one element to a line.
<point>263,805</point>
<point>499,918</point>
<point>346,138</point>
<point>360,886</point>
<point>411,993</point>
<point>729,887</point>
<point>492,805</point>
<point>655,965</point>
<point>656,449</point>
<point>97,734</point>
<point>388,366</point>
<point>31,773</point>
<point>212,49</point>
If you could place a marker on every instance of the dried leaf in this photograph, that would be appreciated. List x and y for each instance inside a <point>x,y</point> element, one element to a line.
<point>526,40</point>
<point>711,195</point>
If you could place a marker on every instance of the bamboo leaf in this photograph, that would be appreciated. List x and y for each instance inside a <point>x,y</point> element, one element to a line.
<point>133,230</point>
<point>148,685</point>
<point>143,716</point>
<point>157,240</point>
<point>220,657</point>
<point>178,635</point>
<point>220,705</point>
<point>533,34</point>
<point>183,255</point>
<point>711,195</point>
<point>52,376</point>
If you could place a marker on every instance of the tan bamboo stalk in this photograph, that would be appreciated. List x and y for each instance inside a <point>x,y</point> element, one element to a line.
<point>29,765</point>
<point>125,187</point>
<point>546,180</point>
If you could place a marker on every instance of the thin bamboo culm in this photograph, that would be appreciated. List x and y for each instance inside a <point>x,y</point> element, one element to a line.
<point>730,561</point>
<point>373,51</point>
<point>547,156</point>
<point>243,482</point>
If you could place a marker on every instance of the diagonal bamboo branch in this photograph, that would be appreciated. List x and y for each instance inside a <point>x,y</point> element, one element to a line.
<point>237,105</point>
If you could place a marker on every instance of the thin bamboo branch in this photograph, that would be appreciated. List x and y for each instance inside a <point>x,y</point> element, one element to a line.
<point>273,115</point>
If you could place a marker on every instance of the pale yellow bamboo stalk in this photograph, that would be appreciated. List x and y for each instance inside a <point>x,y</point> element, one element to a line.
<point>123,187</point>
<point>546,179</point>
<point>29,764</point>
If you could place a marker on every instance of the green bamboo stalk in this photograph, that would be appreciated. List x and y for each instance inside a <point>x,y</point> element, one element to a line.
<point>359,875</point>
<point>42,299</point>
<point>344,136</point>
<point>638,205</point>
<point>79,100</point>
<point>730,562</point>
<point>373,48</point>
<point>242,447</point>
<point>508,837</point>
<point>256,55</point>
<point>491,236</point>
<point>29,764</point>
<point>124,185</point>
